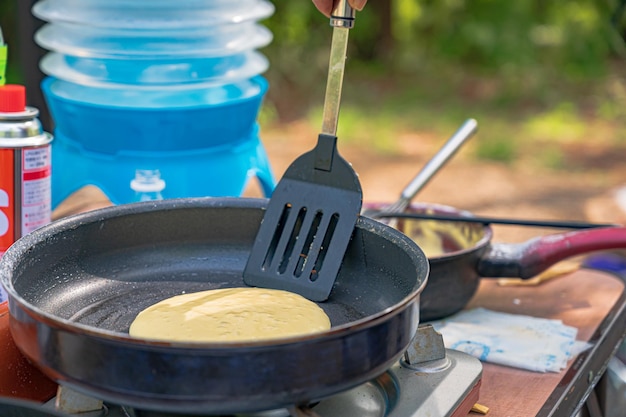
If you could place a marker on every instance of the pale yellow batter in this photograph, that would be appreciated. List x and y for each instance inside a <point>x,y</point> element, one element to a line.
<point>429,235</point>
<point>230,315</point>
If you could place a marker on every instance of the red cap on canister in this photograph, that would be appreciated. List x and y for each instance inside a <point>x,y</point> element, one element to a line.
<point>12,98</point>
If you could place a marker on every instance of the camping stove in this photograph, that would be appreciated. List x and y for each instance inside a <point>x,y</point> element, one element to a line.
<point>428,381</point>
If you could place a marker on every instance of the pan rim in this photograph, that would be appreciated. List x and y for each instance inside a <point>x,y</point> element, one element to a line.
<point>21,247</point>
<point>485,239</point>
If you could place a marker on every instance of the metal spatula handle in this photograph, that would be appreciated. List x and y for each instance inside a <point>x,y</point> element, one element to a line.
<point>433,166</point>
<point>342,19</point>
<point>448,150</point>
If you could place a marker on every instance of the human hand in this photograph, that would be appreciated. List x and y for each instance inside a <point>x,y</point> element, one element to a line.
<point>326,6</point>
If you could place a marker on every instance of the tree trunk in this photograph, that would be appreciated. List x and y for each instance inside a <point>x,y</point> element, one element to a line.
<point>385,44</point>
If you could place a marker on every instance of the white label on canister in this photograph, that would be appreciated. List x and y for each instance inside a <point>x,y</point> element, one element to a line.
<point>36,188</point>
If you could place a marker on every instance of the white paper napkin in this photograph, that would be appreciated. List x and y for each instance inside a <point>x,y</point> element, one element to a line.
<point>535,344</point>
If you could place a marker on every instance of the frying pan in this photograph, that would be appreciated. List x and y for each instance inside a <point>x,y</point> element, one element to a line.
<point>469,254</point>
<point>75,285</point>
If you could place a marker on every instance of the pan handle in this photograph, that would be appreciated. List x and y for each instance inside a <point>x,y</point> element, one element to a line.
<point>527,259</point>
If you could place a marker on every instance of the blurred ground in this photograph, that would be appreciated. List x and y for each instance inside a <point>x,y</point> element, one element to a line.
<point>485,188</point>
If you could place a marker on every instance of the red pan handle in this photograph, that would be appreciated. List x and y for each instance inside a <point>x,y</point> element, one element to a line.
<point>527,259</point>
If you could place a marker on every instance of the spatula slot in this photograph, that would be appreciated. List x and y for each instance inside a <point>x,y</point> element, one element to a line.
<point>332,225</point>
<point>312,250</point>
<point>280,226</point>
<point>304,253</point>
<point>290,243</point>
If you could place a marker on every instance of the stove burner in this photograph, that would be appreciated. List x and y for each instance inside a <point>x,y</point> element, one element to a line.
<point>429,381</point>
<point>399,392</point>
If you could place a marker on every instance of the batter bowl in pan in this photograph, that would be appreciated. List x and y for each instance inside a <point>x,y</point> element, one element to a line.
<point>75,286</point>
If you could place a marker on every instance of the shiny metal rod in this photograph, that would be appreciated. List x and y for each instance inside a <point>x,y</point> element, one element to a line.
<point>341,19</point>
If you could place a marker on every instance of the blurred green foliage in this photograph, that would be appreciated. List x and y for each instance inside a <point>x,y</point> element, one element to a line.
<point>529,71</point>
<point>8,23</point>
<point>491,34</point>
<point>574,39</point>
<point>575,36</point>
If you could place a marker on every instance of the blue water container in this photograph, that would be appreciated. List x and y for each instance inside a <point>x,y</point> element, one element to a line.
<point>173,87</point>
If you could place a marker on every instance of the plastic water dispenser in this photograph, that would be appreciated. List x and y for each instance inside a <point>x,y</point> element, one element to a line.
<point>160,85</point>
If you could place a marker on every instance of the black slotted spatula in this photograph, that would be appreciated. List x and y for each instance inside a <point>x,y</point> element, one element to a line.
<point>312,212</point>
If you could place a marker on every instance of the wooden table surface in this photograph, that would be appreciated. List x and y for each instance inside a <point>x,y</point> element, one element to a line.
<point>581,299</point>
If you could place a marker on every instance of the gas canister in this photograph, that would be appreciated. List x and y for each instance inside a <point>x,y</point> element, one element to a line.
<point>25,168</point>
<point>25,204</point>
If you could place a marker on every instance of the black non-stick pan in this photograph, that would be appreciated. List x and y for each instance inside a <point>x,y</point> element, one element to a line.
<point>75,286</point>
